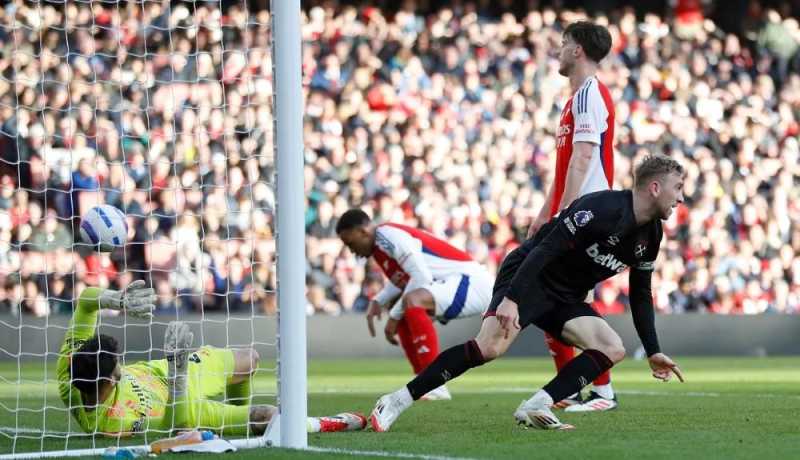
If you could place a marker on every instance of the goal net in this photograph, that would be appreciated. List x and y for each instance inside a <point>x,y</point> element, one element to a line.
<point>164,110</point>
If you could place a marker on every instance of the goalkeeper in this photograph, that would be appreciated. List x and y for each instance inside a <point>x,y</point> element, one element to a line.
<point>167,394</point>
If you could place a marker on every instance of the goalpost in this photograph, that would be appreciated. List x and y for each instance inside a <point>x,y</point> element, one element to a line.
<point>291,225</point>
<point>156,138</point>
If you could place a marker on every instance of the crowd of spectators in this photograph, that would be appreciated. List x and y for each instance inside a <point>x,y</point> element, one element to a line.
<point>163,111</point>
<point>444,120</point>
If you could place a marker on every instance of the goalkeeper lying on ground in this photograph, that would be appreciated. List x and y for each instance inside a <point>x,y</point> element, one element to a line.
<point>109,398</point>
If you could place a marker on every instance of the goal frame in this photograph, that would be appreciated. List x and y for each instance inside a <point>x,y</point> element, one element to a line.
<point>288,428</point>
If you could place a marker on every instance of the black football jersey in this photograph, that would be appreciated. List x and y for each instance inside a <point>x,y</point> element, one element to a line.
<point>593,239</point>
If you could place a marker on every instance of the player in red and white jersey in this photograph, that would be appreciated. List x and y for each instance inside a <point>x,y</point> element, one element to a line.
<point>584,164</point>
<point>427,276</point>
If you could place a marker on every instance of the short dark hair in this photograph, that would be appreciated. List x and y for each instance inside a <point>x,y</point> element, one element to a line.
<point>653,166</point>
<point>593,38</point>
<point>351,219</point>
<point>94,360</point>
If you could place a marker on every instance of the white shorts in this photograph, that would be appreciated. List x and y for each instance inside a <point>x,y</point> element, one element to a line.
<point>461,295</point>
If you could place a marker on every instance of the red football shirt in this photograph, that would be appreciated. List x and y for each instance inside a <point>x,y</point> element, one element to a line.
<point>588,116</point>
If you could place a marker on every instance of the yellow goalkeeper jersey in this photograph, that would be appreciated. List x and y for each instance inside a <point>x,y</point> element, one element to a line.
<point>139,399</point>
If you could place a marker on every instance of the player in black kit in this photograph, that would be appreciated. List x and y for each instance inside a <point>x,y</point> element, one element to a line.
<point>545,281</point>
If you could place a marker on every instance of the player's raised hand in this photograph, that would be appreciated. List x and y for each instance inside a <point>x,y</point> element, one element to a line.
<point>508,315</point>
<point>374,310</point>
<point>178,340</point>
<point>177,337</point>
<point>663,367</point>
<point>136,299</point>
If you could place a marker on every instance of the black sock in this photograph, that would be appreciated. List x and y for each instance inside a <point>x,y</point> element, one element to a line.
<point>448,365</point>
<point>577,374</point>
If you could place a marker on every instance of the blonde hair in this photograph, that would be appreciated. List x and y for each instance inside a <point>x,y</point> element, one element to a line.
<point>655,165</point>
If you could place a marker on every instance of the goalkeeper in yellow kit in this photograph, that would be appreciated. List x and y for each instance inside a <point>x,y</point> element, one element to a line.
<point>167,394</point>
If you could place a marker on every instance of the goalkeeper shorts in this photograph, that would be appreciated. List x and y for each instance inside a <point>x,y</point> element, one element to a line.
<point>210,369</point>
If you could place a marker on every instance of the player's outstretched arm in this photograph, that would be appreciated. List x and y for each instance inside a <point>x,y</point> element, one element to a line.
<point>84,321</point>
<point>644,320</point>
<point>135,299</point>
<point>81,328</point>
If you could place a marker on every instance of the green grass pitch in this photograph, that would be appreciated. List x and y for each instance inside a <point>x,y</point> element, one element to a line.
<point>728,408</point>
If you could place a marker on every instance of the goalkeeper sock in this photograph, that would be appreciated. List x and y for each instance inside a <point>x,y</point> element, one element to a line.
<point>238,394</point>
<point>448,365</point>
<point>577,374</point>
<point>418,338</point>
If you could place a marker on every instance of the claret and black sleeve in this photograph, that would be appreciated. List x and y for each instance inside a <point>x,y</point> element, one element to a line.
<point>642,310</point>
<point>641,295</point>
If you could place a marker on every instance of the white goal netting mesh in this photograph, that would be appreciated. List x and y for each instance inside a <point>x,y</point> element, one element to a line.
<point>163,110</point>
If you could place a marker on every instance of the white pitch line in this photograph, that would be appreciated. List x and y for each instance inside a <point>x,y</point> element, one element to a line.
<point>357,453</point>
<point>25,430</point>
<point>488,390</point>
<point>378,453</point>
<point>706,394</point>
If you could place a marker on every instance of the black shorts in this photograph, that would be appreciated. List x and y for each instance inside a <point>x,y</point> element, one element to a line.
<point>542,309</point>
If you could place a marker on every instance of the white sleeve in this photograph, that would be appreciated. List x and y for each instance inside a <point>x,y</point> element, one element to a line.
<point>590,114</point>
<point>387,294</point>
<point>407,251</point>
<point>398,311</point>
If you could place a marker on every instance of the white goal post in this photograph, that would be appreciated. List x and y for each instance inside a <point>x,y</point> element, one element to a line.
<point>122,120</point>
<point>292,372</point>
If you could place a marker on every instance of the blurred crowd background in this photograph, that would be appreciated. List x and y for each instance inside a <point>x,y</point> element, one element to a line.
<point>440,115</point>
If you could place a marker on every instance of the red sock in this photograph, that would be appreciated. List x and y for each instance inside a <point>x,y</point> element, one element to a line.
<point>421,343</point>
<point>404,334</point>
<point>603,379</point>
<point>561,352</point>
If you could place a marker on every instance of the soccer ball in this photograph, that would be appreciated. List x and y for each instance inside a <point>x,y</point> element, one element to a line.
<point>104,227</point>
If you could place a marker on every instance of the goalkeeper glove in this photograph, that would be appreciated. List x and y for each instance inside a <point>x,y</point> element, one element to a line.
<point>136,299</point>
<point>177,342</point>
